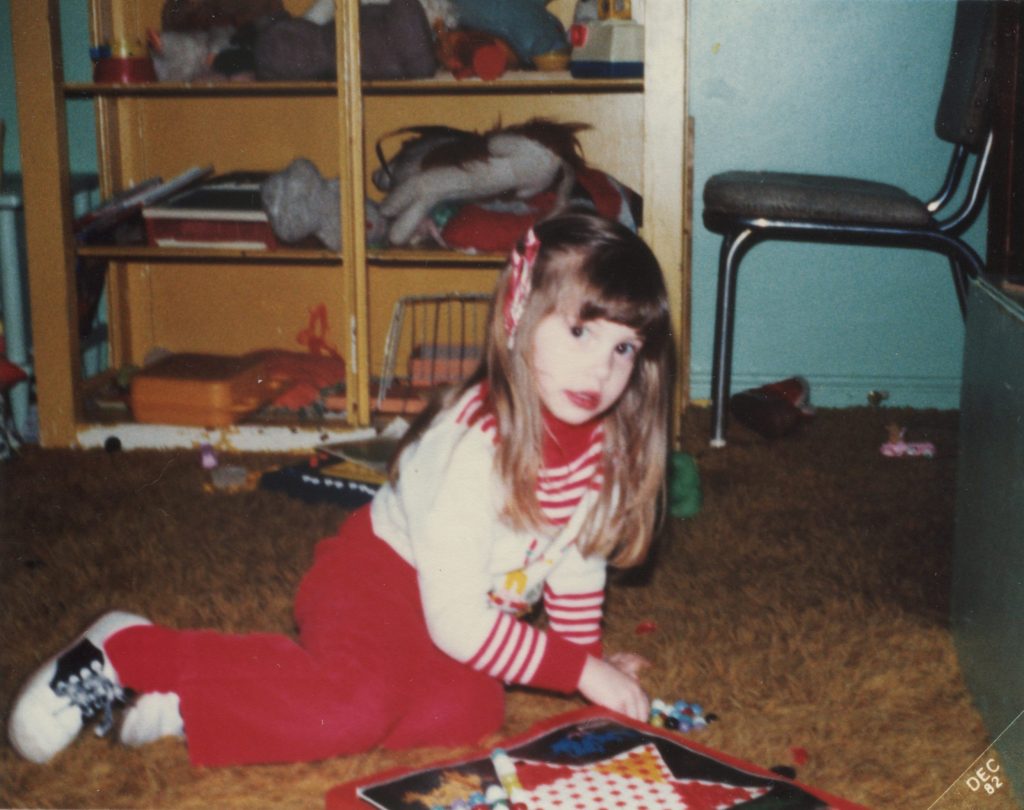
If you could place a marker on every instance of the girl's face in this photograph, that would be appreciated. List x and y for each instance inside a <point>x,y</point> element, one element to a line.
<point>581,368</point>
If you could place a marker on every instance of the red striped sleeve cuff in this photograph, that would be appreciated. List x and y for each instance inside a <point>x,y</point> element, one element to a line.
<point>516,652</point>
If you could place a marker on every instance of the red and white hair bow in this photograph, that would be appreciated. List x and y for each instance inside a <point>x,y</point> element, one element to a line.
<point>520,282</point>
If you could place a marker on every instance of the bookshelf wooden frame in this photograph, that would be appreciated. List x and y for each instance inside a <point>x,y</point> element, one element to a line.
<point>367,274</point>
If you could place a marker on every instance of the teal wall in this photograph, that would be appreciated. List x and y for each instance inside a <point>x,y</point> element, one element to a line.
<point>77,67</point>
<point>847,86</point>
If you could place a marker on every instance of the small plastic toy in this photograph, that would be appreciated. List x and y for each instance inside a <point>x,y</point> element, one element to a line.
<point>679,716</point>
<point>684,493</point>
<point>526,25</point>
<point>474,53</point>
<point>208,458</point>
<point>897,445</point>
<point>606,41</point>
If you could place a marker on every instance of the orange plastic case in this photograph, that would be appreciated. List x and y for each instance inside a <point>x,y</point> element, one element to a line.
<point>204,390</point>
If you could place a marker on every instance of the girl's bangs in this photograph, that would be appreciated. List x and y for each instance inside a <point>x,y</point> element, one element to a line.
<point>648,316</point>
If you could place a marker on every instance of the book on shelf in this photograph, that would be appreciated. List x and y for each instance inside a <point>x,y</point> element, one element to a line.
<point>132,200</point>
<point>223,212</point>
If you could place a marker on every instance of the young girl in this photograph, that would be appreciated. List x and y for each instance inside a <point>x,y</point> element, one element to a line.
<point>519,488</point>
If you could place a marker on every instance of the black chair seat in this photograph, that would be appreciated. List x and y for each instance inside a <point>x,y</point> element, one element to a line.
<point>808,197</point>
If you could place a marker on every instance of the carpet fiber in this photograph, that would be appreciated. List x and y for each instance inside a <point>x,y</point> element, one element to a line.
<point>806,605</point>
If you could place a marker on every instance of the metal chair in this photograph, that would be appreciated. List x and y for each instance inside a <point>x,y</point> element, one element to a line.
<point>749,207</point>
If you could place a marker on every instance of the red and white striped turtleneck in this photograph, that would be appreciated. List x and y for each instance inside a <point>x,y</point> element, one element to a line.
<point>477,574</point>
<point>572,465</point>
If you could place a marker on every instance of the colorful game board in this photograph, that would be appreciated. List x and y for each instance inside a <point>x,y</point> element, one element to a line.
<point>593,760</point>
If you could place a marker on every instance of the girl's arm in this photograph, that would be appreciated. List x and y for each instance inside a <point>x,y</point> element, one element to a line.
<point>574,600</point>
<point>451,503</point>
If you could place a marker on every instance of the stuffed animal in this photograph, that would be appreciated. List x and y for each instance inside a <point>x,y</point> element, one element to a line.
<point>187,56</point>
<point>395,40</point>
<point>295,49</point>
<point>473,53</point>
<point>526,25</point>
<point>207,39</point>
<point>201,15</point>
<point>443,164</point>
<point>496,225</point>
<point>300,202</point>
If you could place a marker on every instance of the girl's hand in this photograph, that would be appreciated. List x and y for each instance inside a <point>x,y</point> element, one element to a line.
<point>632,664</point>
<point>606,685</point>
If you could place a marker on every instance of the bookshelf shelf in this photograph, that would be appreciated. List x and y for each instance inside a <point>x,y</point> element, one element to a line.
<point>199,89</point>
<point>146,253</point>
<point>514,82</point>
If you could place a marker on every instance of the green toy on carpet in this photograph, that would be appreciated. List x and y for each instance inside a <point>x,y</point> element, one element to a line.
<point>684,495</point>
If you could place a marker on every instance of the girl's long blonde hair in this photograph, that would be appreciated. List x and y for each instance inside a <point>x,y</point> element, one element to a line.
<point>588,268</point>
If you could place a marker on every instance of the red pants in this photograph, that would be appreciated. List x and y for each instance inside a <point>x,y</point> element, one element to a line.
<point>363,674</point>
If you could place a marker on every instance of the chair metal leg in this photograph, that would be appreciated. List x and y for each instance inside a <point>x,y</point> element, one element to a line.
<point>733,247</point>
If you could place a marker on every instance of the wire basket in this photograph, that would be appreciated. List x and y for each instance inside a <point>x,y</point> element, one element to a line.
<point>440,339</point>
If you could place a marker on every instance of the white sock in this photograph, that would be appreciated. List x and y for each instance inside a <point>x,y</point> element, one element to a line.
<point>154,715</point>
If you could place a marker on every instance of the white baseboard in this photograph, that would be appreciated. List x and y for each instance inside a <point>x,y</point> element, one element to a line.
<point>845,391</point>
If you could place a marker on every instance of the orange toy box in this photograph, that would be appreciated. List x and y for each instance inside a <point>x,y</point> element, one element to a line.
<point>205,390</point>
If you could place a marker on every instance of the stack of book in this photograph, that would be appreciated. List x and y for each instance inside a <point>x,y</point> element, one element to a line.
<point>225,212</point>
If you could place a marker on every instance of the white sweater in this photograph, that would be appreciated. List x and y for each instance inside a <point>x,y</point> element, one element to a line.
<point>477,575</point>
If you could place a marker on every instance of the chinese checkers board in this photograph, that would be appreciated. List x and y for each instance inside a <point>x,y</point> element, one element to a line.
<point>590,759</point>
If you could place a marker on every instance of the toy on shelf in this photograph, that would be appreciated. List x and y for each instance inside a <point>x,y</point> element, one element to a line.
<point>476,192</point>
<point>607,41</point>
<point>122,64</point>
<point>474,53</point>
<point>208,40</point>
<point>395,41</point>
<point>526,25</point>
<point>189,56</point>
<point>300,202</point>
<point>441,338</point>
<point>444,164</point>
<point>897,445</point>
<point>194,15</point>
<point>203,390</point>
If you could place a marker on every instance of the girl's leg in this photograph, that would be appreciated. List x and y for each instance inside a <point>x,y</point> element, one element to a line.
<point>452,705</point>
<point>364,673</point>
<point>253,698</point>
<point>435,699</point>
<point>267,698</point>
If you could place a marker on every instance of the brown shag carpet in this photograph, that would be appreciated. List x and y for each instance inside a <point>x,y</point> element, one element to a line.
<point>806,605</point>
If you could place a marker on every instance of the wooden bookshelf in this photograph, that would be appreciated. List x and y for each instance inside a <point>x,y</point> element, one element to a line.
<point>226,301</point>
